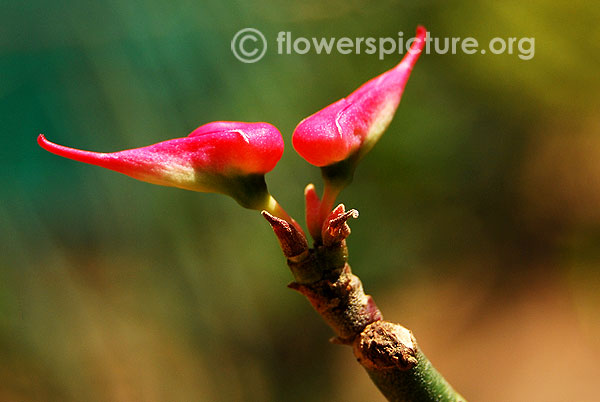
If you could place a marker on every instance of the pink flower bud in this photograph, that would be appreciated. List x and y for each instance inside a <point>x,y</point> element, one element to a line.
<point>351,126</point>
<point>222,157</point>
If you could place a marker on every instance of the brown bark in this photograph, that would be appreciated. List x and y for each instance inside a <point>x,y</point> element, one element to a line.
<point>388,352</point>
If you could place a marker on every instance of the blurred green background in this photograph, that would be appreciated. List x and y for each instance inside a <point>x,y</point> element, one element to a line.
<point>480,207</point>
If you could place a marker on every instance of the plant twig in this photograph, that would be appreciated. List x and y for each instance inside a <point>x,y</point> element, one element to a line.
<point>388,352</point>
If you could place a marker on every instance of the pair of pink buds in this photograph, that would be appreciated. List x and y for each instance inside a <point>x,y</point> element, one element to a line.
<point>232,157</point>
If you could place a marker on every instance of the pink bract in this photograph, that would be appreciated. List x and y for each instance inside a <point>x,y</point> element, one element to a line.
<point>214,150</point>
<point>353,124</point>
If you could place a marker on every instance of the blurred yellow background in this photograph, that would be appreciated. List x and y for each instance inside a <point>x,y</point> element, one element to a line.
<point>480,206</point>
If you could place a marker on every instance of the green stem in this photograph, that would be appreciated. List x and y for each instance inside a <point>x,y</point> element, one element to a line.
<point>388,352</point>
<point>336,177</point>
<point>275,209</point>
<point>330,194</point>
<point>421,383</point>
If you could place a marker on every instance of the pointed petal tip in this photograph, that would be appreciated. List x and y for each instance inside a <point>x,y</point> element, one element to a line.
<point>419,40</point>
<point>79,155</point>
<point>42,141</point>
<point>50,146</point>
<point>416,48</point>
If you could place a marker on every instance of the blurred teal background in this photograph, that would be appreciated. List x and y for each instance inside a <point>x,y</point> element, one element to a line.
<point>480,207</point>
